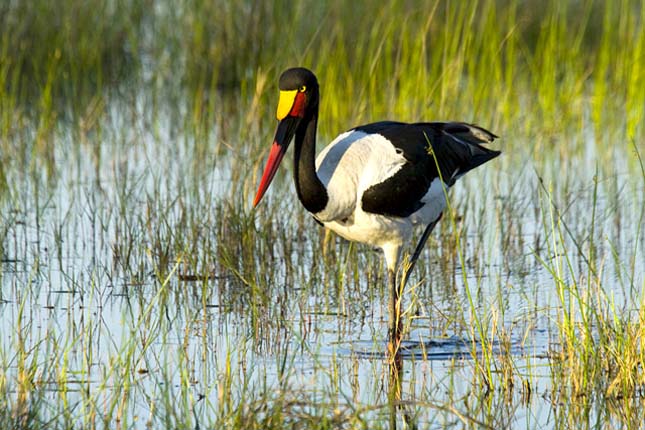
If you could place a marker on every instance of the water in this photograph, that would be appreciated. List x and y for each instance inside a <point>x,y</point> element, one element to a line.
<point>115,278</point>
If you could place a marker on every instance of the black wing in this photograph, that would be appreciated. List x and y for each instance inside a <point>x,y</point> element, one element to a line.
<point>432,150</point>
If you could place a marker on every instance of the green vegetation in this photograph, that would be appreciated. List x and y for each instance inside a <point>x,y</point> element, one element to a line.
<point>138,288</point>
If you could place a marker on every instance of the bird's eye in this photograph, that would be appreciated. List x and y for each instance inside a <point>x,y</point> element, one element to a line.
<point>302,89</point>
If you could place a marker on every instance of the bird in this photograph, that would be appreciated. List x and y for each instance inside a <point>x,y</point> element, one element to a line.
<point>374,183</point>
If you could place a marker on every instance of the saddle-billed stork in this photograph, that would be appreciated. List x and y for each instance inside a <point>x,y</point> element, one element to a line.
<point>376,182</point>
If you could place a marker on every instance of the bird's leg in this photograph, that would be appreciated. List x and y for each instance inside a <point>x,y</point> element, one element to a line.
<point>396,291</point>
<point>417,251</point>
<point>395,314</point>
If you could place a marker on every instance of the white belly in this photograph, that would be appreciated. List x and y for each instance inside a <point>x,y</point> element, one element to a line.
<point>374,230</point>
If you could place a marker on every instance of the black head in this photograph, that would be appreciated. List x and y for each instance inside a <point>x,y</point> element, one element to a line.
<point>296,77</point>
<point>305,83</point>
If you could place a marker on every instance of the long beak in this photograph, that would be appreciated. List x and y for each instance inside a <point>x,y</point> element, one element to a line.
<point>283,135</point>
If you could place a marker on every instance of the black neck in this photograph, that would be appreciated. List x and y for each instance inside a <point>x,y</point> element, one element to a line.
<point>311,191</point>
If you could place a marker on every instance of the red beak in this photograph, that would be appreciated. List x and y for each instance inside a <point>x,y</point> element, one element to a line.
<point>283,135</point>
<point>275,156</point>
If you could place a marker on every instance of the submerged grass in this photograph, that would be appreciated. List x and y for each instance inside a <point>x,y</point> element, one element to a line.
<point>139,289</point>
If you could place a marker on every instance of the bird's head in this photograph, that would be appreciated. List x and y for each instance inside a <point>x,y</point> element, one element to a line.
<point>298,101</point>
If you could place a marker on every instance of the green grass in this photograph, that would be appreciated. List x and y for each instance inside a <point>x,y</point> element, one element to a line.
<point>138,288</point>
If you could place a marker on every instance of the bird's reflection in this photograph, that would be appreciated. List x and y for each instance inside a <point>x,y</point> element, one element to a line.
<point>395,384</point>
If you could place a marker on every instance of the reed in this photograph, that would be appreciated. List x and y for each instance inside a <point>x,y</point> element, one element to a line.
<point>138,288</point>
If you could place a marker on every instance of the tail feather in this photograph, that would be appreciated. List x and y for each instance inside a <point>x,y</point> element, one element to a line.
<point>470,133</point>
<point>459,148</point>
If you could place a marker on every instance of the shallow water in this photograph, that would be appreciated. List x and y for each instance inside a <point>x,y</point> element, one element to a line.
<point>116,274</point>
